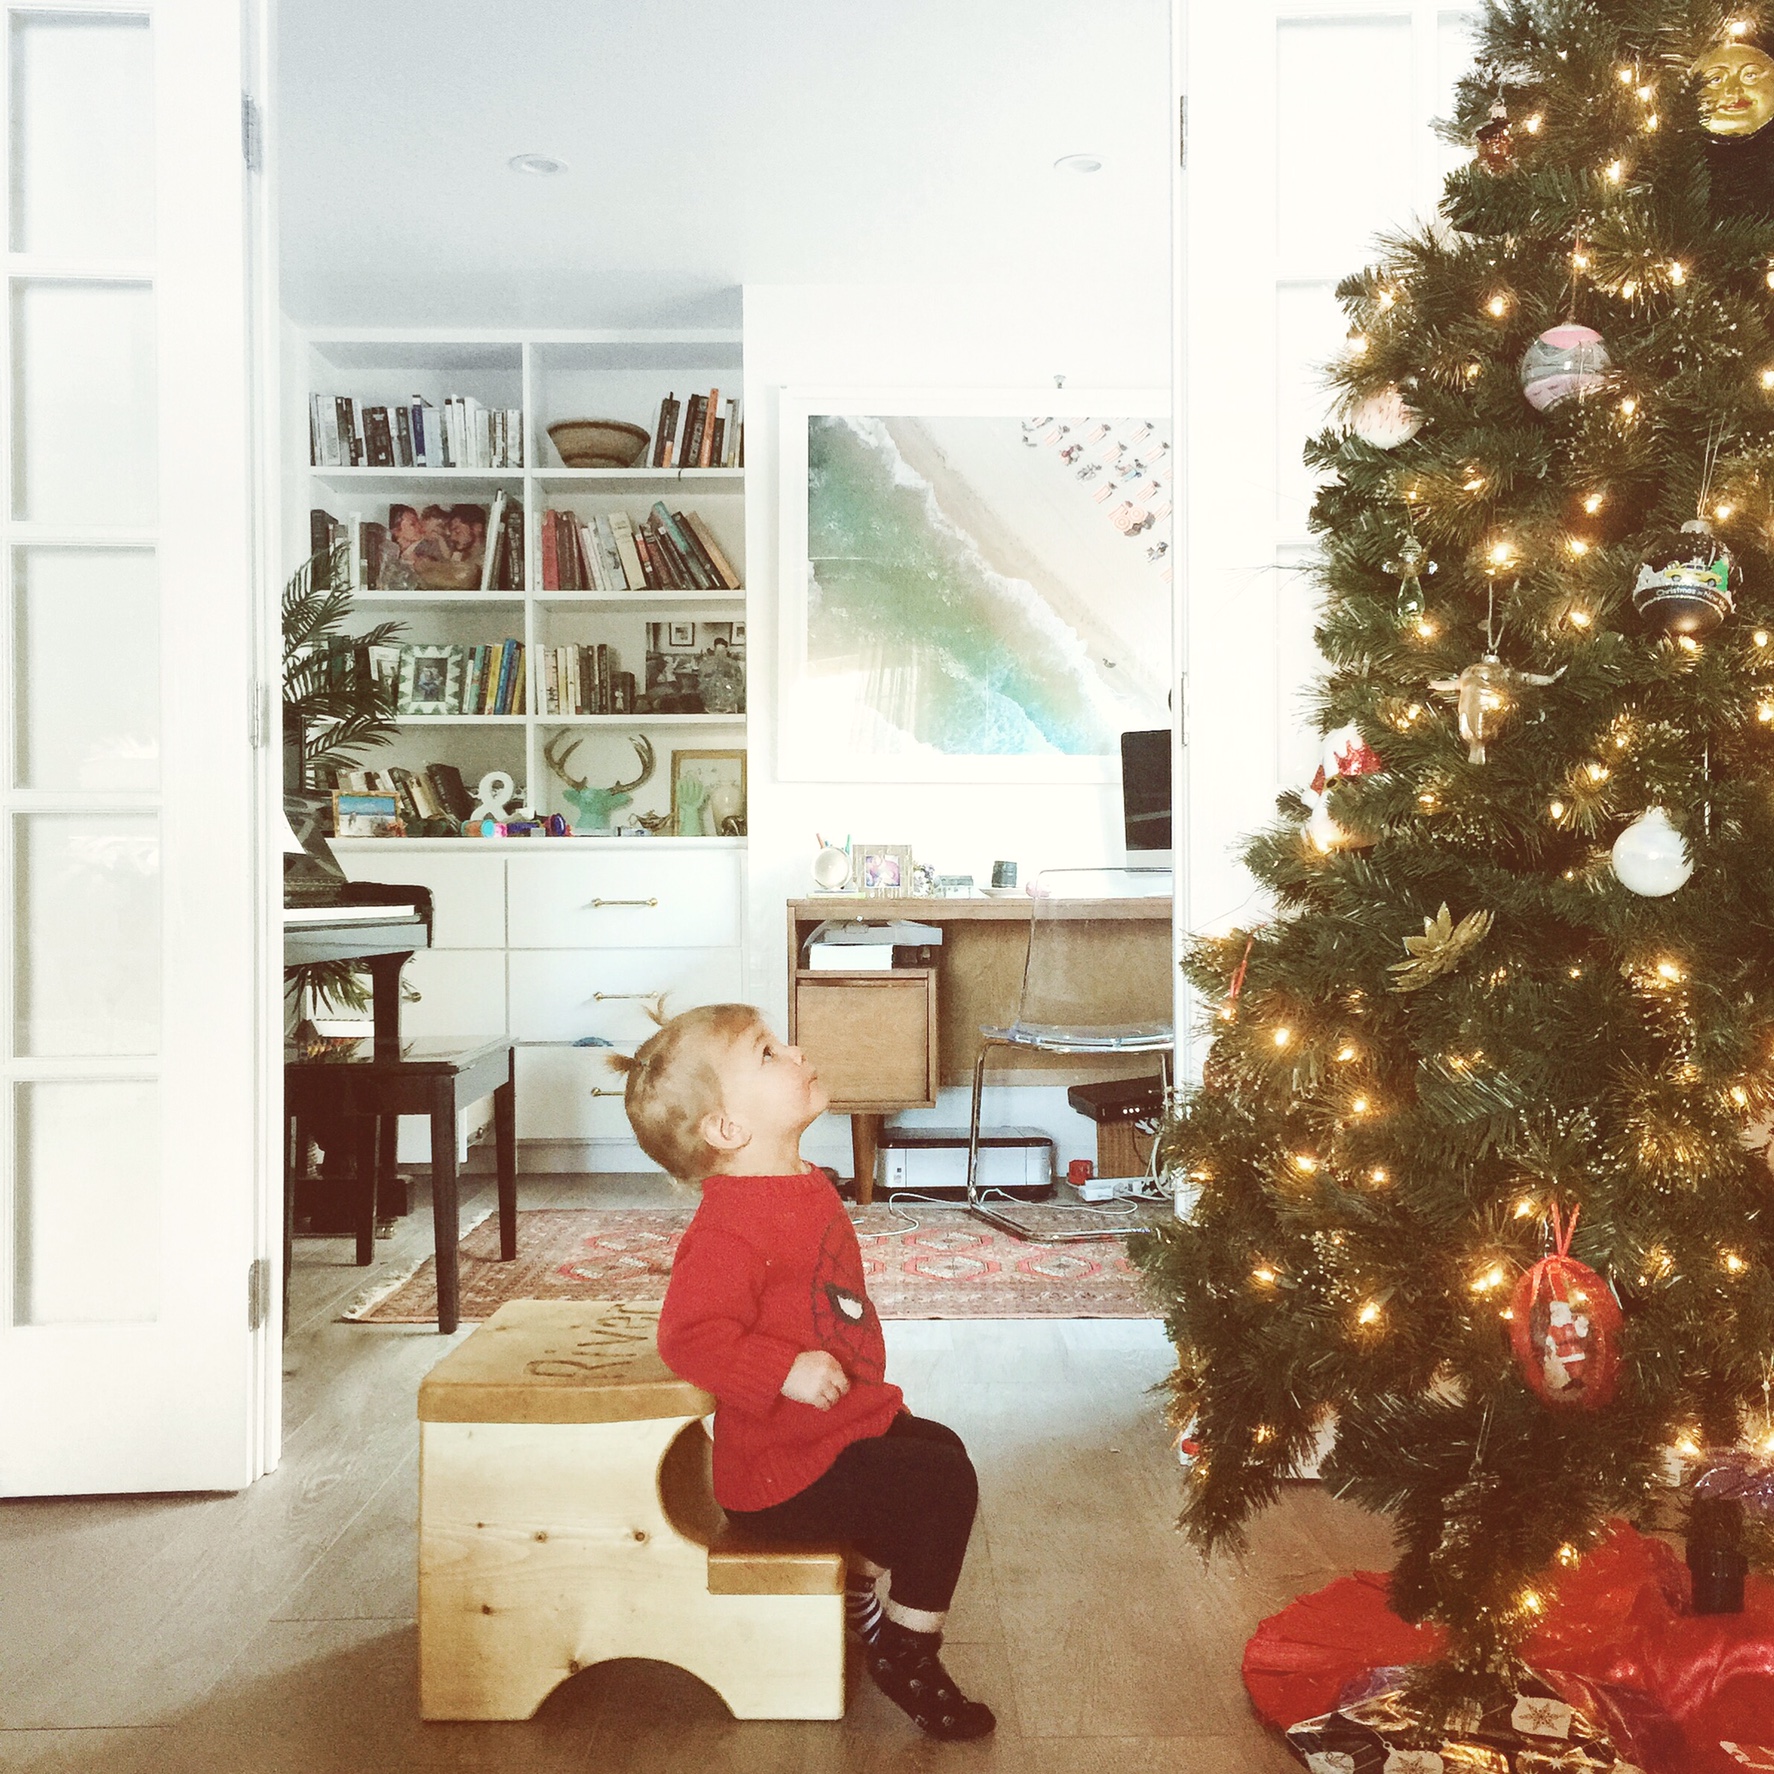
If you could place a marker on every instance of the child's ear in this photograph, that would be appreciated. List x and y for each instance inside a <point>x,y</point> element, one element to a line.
<point>721,1131</point>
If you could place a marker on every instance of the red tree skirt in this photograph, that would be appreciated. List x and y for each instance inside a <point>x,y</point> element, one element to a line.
<point>1620,1616</point>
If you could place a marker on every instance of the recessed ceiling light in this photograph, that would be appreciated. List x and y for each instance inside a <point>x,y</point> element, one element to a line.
<point>540,164</point>
<point>1078,163</point>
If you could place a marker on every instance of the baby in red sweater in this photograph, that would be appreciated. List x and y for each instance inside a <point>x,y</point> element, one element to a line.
<point>767,1310</point>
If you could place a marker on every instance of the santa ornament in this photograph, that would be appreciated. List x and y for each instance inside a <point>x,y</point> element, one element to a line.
<point>1565,1328</point>
<point>1345,753</point>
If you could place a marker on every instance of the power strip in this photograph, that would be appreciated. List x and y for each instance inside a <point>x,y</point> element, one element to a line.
<point>1107,1188</point>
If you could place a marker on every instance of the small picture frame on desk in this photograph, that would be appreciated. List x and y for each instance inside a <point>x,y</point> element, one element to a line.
<point>883,868</point>
<point>366,816</point>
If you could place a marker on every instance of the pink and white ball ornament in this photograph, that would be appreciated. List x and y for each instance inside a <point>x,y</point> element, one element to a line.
<point>1385,420</point>
<point>1564,361</point>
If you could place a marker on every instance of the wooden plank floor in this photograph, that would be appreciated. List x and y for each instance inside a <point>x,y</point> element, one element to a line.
<point>272,1630</point>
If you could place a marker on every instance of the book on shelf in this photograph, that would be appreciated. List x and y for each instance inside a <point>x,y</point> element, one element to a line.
<point>705,443</point>
<point>342,433</point>
<point>586,680</point>
<point>698,433</point>
<point>666,551</point>
<point>666,432</point>
<point>730,436</point>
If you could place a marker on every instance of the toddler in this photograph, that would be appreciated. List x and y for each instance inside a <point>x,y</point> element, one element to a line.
<point>767,1310</point>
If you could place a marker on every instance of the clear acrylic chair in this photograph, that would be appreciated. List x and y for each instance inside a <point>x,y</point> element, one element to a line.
<point>1085,990</point>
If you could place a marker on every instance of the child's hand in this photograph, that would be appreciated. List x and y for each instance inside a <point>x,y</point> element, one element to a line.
<point>816,1379</point>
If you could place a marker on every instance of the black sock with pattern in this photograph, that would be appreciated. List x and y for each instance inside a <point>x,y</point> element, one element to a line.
<point>909,1672</point>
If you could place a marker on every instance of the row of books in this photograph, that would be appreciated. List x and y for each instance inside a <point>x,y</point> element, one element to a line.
<point>427,547</point>
<point>586,681</point>
<point>697,434</point>
<point>666,551</point>
<point>454,679</point>
<point>459,434</point>
<point>434,791</point>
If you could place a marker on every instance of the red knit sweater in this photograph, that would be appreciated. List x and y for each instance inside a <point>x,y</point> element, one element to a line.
<point>768,1268</point>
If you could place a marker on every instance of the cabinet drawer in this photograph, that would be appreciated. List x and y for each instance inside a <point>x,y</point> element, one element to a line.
<point>467,892</point>
<point>461,992</point>
<point>871,1037</point>
<point>624,899</point>
<point>569,1093</point>
<point>556,996</point>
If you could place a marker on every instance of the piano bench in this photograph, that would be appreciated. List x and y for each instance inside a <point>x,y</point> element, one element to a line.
<point>370,1082</point>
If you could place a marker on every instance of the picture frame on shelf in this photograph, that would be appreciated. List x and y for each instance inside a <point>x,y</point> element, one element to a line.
<point>367,816</point>
<point>680,634</point>
<point>430,681</point>
<point>882,868</point>
<point>708,794</point>
<point>738,635</point>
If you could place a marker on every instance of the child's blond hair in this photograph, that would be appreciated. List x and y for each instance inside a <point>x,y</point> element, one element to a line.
<point>673,1085</point>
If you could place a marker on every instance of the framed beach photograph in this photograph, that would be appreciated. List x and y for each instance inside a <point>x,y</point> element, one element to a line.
<point>976,584</point>
<point>882,868</point>
<point>708,794</point>
<point>430,681</point>
<point>367,816</point>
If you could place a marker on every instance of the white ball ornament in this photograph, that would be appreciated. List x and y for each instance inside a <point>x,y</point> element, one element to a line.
<point>1650,856</point>
<point>1385,420</point>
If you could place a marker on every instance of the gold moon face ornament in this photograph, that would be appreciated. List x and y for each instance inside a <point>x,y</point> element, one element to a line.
<point>1736,90</point>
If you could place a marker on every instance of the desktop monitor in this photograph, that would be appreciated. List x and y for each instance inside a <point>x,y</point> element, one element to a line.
<point>1145,798</point>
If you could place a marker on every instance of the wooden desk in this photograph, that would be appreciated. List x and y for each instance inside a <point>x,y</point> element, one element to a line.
<point>977,982</point>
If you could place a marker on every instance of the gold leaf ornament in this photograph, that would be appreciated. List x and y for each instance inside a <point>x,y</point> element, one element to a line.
<point>1440,949</point>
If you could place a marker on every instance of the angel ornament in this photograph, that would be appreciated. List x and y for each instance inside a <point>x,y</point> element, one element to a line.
<point>1487,697</point>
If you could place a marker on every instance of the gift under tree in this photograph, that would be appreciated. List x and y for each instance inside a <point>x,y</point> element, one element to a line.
<point>1475,1142</point>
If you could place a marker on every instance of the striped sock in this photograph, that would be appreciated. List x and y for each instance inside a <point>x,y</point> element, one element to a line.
<point>862,1608</point>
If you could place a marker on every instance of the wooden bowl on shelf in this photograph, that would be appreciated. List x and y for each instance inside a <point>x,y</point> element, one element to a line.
<point>599,443</point>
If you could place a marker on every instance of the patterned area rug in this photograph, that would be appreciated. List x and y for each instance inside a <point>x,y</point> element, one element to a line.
<point>946,1267</point>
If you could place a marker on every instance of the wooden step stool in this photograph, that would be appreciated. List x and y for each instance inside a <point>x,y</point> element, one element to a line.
<point>566,1517</point>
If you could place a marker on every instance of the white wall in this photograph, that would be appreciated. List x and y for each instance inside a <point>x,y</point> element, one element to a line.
<point>917,335</point>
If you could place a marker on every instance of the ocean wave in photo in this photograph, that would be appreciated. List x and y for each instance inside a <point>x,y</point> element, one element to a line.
<point>950,652</point>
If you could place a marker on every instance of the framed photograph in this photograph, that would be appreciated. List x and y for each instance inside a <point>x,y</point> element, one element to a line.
<point>738,634</point>
<point>430,681</point>
<point>367,816</point>
<point>975,582</point>
<point>680,634</point>
<point>883,868</point>
<point>708,794</point>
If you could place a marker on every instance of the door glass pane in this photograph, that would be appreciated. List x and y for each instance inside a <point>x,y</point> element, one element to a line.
<point>87,977</point>
<point>82,136</point>
<point>88,1225</point>
<point>87,656</point>
<point>83,417</point>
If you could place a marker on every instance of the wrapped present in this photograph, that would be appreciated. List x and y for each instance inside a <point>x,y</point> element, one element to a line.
<point>1551,1723</point>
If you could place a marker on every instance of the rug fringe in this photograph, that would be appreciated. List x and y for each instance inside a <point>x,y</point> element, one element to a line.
<point>393,1280</point>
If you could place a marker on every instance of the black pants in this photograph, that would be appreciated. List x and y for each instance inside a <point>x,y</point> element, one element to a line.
<point>904,1500</point>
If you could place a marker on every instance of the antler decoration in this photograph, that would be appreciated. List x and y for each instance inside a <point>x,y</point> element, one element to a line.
<point>592,807</point>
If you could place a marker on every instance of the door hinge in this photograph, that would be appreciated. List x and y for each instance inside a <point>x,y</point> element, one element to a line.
<point>259,719</point>
<point>252,139</point>
<point>258,1293</point>
<point>1182,130</point>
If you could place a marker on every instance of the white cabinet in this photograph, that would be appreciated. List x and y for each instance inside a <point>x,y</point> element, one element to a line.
<point>553,941</point>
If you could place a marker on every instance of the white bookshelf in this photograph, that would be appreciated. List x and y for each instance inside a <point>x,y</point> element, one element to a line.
<point>549,376</point>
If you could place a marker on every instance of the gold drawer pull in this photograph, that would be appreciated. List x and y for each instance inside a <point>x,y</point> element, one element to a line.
<point>608,997</point>
<point>599,903</point>
<point>598,1090</point>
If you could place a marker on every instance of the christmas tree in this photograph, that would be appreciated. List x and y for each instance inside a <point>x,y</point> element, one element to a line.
<point>1515,994</point>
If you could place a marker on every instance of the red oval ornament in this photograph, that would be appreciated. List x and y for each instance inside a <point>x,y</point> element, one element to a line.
<point>1565,1329</point>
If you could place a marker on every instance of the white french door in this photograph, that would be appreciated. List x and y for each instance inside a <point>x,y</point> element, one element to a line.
<point>129,1167</point>
<point>1308,133</point>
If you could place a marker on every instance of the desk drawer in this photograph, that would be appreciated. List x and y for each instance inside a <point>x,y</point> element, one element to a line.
<point>871,1037</point>
<point>624,899</point>
<point>555,996</point>
<point>569,1093</point>
<point>467,892</point>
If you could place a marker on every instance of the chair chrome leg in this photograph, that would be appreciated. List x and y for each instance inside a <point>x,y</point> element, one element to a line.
<point>1001,1221</point>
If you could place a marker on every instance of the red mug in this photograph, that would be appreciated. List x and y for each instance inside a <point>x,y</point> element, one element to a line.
<point>1079,1172</point>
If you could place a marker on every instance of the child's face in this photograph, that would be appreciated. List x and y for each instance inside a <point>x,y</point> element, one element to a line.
<point>767,1087</point>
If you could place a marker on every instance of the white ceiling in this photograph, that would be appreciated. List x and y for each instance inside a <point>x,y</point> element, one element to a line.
<point>709,143</point>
